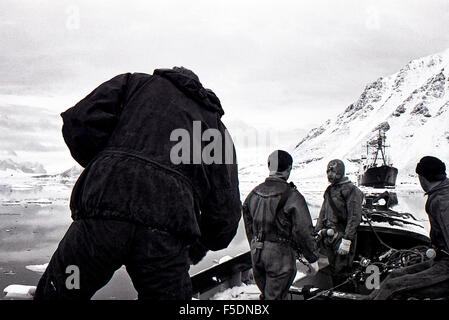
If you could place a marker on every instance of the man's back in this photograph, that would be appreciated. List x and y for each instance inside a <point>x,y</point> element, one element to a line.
<point>277,209</point>
<point>437,207</point>
<point>156,211</point>
<point>130,172</point>
<point>278,226</point>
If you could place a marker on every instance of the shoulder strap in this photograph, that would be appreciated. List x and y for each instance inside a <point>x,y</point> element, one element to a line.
<point>346,202</point>
<point>350,193</point>
<point>284,198</point>
<point>331,201</point>
<point>279,207</point>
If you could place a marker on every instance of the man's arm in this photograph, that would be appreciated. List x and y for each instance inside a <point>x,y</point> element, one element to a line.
<point>248,219</point>
<point>354,206</point>
<point>320,221</point>
<point>220,216</point>
<point>221,209</point>
<point>89,124</point>
<point>442,212</point>
<point>302,227</point>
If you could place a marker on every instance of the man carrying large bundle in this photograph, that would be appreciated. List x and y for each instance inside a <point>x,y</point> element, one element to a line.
<point>137,202</point>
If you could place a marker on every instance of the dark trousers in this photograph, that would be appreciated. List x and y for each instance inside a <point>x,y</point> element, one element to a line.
<point>274,269</point>
<point>429,279</point>
<point>155,260</point>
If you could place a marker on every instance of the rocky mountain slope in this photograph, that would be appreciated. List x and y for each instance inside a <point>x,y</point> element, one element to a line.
<point>412,106</point>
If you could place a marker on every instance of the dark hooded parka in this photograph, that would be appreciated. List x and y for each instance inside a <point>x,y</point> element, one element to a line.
<point>121,134</point>
<point>144,199</point>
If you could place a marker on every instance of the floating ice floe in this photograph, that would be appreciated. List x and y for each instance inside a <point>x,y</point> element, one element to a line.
<point>222,259</point>
<point>23,187</point>
<point>18,291</point>
<point>9,273</point>
<point>11,203</point>
<point>39,268</point>
<point>39,201</point>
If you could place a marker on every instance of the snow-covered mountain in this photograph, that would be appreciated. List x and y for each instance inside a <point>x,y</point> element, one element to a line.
<point>31,139</point>
<point>25,167</point>
<point>73,172</point>
<point>412,106</point>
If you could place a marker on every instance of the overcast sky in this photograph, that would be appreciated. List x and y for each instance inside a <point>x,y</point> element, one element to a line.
<point>285,64</point>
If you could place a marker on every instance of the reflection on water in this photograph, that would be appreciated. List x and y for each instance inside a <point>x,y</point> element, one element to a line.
<point>12,192</point>
<point>33,221</point>
<point>29,233</point>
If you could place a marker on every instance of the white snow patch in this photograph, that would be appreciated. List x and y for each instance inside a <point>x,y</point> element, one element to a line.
<point>39,268</point>
<point>224,259</point>
<point>18,291</point>
<point>243,292</point>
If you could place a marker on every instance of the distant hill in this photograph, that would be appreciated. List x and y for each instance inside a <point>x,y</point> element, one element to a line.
<point>31,132</point>
<point>26,167</point>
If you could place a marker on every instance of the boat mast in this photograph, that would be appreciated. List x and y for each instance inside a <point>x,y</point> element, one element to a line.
<point>380,147</point>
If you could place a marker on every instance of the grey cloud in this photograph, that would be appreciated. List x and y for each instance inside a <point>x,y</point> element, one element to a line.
<point>294,56</point>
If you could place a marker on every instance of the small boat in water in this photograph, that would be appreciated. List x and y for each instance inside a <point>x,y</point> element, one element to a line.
<point>375,176</point>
